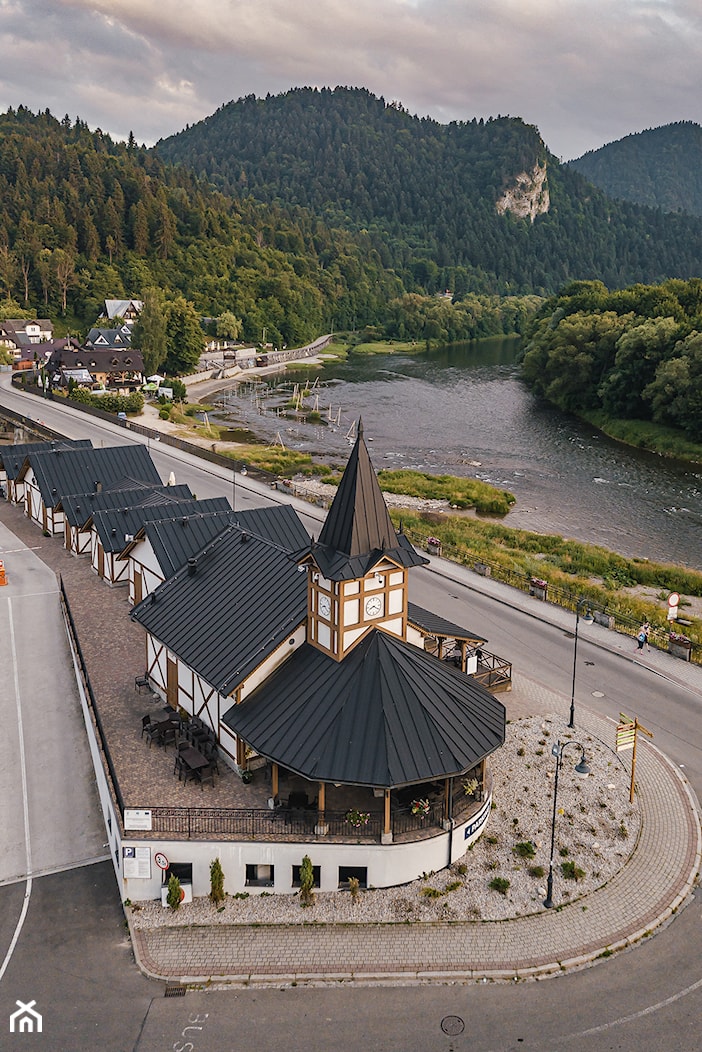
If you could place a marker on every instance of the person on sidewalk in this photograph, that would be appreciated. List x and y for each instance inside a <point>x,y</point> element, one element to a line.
<point>642,638</point>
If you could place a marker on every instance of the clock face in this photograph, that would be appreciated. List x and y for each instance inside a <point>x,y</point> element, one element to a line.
<point>324,605</point>
<point>373,606</point>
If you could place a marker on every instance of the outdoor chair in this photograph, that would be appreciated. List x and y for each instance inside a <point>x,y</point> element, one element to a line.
<point>206,774</point>
<point>142,684</point>
<point>178,763</point>
<point>210,751</point>
<point>149,729</point>
<point>167,735</point>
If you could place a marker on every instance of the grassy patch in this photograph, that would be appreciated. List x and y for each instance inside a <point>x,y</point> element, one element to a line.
<point>646,435</point>
<point>461,492</point>
<point>572,566</point>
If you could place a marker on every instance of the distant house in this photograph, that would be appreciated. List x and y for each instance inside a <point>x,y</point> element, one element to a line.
<point>19,335</point>
<point>110,339</point>
<point>125,310</point>
<point>123,368</point>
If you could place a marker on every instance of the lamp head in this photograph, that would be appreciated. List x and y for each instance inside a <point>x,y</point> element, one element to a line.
<point>582,768</point>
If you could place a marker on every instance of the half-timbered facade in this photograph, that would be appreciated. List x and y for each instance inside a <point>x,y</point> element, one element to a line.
<point>78,508</point>
<point>308,658</point>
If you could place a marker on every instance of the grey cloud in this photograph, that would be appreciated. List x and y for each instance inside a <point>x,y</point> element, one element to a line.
<point>583,71</point>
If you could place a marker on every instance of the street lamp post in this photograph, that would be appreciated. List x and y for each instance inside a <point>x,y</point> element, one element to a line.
<point>580,602</point>
<point>582,769</point>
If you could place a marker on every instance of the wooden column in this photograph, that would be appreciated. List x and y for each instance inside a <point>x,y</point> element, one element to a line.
<point>274,781</point>
<point>386,813</point>
<point>447,798</point>
<point>320,803</point>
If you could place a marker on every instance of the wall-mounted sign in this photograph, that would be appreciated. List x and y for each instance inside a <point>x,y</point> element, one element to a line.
<point>134,818</point>
<point>136,862</point>
<point>161,860</point>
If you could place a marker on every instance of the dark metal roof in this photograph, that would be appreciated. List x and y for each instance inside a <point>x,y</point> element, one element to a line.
<point>228,607</point>
<point>13,457</point>
<point>439,626</point>
<point>116,526</point>
<point>358,531</point>
<point>78,508</point>
<point>60,472</point>
<point>387,715</point>
<point>175,540</point>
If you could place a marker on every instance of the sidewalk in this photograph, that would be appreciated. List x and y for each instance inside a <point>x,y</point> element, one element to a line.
<point>653,884</point>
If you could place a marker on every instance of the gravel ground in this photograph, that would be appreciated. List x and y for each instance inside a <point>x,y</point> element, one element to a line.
<point>596,830</point>
<point>311,487</point>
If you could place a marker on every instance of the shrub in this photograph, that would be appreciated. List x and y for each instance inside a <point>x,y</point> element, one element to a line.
<point>354,887</point>
<point>174,892</point>
<point>216,882</point>
<point>431,893</point>
<point>306,882</point>
<point>500,884</point>
<point>525,849</point>
<point>572,872</point>
<point>536,871</point>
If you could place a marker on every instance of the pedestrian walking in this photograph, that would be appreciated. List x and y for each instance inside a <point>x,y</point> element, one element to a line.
<point>642,637</point>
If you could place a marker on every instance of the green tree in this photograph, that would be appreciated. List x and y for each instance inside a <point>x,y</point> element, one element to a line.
<point>150,330</point>
<point>228,326</point>
<point>185,339</point>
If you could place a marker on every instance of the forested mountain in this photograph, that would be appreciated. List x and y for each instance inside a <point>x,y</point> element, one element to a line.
<point>426,194</point>
<point>83,219</point>
<point>660,167</point>
<point>633,354</point>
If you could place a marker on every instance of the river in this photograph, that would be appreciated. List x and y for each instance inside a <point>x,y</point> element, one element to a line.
<point>463,410</point>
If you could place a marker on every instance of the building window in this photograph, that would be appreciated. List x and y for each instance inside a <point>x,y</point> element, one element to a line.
<point>296,876</point>
<point>359,872</point>
<point>182,870</point>
<point>258,876</point>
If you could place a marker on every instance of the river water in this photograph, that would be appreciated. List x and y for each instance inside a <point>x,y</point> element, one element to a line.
<point>463,410</point>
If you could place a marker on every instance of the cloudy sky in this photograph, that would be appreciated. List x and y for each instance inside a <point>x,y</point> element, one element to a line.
<point>585,72</point>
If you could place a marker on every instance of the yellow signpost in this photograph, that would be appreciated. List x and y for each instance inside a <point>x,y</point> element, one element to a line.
<point>627,732</point>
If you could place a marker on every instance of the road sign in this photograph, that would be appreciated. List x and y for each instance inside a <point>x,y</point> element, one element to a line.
<point>673,599</point>
<point>161,860</point>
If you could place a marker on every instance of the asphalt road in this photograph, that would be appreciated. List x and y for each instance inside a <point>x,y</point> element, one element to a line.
<point>73,958</point>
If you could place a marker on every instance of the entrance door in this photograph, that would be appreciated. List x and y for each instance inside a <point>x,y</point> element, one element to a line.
<point>172,682</point>
<point>137,586</point>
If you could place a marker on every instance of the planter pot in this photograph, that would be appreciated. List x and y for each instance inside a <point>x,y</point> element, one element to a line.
<point>679,650</point>
<point>537,591</point>
<point>604,619</point>
<point>483,569</point>
<point>434,549</point>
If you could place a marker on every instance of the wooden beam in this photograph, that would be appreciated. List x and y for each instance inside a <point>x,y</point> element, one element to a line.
<point>321,802</point>
<point>274,781</point>
<point>386,812</point>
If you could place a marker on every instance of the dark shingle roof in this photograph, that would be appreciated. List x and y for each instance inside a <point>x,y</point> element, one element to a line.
<point>229,607</point>
<point>79,507</point>
<point>174,541</point>
<point>12,457</point>
<point>62,472</point>
<point>439,626</point>
<point>389,714</point>
<point>115,526</point>
<point>358,531</point>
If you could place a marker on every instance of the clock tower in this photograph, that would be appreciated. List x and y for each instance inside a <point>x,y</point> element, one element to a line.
<point>358,567</point>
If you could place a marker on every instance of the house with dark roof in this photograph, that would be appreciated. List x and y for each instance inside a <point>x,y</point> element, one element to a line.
<point>12,459</point>
<point>109,339</point>
<point>117,367</point>
<point>50,475</point>
<point>113,528</point>
<point>161,548</point>
<point>307,661</point>
<point>22,335</point>
<point>78,508</point>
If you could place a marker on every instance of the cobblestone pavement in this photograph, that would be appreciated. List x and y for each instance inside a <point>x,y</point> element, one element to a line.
<point>649,888</point>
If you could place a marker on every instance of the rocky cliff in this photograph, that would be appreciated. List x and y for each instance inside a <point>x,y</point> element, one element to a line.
<point>528,196</point>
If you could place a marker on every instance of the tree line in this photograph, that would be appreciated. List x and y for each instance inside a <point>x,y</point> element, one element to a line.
<point>634,353</point>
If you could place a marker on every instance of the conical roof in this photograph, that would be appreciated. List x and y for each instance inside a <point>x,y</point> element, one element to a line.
<point>358,530</point>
